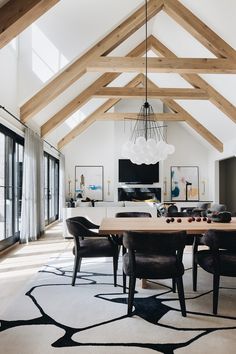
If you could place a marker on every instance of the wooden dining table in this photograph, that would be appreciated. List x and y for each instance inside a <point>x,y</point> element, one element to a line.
<point>120,225</point>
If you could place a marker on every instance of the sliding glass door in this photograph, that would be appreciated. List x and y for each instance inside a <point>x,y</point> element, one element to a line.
<point>51,188</point>
<point>11,163</point>
<point>18,179</point>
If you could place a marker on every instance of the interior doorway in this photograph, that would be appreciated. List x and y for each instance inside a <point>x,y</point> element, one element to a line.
<point>227,174</point>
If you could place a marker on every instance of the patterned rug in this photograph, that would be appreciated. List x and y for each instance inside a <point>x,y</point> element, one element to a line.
<point>51,316</point>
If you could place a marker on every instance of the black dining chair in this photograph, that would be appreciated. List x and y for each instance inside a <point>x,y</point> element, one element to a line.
<point>119,238</point>
<point>88,243</point>
<point>200,209</point>
<point>154,256</point>
<point>87,223</point>
<point>219,259</point>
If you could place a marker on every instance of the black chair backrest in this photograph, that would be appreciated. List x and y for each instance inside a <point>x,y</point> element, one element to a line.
<point>172,209</point>
<point>217,207</point>
<point>202,205</point>
<point>218,239</point>
<point>133,214</point>
<point>154,243</point>
<point>77,229</point>
<point>84,221</point>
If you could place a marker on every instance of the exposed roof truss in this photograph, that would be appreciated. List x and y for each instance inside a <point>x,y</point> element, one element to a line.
<point>16,15</point>
<point>95,59</point>
<point>74,71</point>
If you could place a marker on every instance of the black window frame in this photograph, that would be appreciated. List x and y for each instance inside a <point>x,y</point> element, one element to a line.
<point>49,219</point>
<point>17,139</point>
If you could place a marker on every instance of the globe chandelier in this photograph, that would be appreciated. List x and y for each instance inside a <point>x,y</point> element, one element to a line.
<point>147,144</point>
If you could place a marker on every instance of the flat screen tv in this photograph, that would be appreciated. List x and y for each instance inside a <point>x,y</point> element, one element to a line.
<point>137,174</point>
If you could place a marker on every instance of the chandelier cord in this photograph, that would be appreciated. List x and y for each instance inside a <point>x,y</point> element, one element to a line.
<point>147,144</point>
<point>146,47</point>
<point>146,105</point>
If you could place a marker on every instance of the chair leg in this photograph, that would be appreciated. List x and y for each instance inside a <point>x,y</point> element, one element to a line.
<point>194,263</point>
<point>115,266</point>
<point>173,285</point>
<point>194,274</point>
<point>124,275</point>
<point>77,265</point>
<point>124,283</point>
<point>216,283</point>
<point>180,289</point>
<point>132,282</point>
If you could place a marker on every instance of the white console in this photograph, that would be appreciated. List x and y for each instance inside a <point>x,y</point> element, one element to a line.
<point>97,213</point>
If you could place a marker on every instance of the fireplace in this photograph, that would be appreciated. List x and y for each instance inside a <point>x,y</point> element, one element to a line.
<point>139,194</point>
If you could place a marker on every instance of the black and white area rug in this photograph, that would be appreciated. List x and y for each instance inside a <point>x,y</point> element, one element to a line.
<point>51,316</point>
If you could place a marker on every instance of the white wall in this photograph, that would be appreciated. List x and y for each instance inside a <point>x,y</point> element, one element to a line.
<point>9,76</point>
<point>95,146</point>
<point>101,144</point>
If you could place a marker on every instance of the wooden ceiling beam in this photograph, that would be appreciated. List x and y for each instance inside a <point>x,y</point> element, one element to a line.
<point>17,15</point>
<point>174,106</point>
<point>191,121</point>
<point>158,93</point>
<point>199,29</point>
<point>85,96</point>
<point>196,81</point>
<point>114,116</point>
<point>93,116</point>
<point>163,65</point>
<point>75,70</point>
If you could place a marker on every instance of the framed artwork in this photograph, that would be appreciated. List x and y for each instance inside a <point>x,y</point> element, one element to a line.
<point>184,183</point>
<point>89,182</point>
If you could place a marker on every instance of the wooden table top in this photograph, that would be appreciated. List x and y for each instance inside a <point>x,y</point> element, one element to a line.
<point>119,225</point>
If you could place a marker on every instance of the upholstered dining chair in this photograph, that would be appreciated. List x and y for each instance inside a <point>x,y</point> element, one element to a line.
<point>219,259</point>
<point>87,243</point>
<point>201,209</point>
<point>87,223</point>
<point>154,256</point>
<point>119,238</point>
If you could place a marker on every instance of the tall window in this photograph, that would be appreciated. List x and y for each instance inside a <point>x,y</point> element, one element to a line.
<point>51,188</point>
<point>11,163</point>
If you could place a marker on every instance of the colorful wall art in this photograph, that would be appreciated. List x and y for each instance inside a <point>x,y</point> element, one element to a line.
<point>89,182</point>
<point>184,183</point>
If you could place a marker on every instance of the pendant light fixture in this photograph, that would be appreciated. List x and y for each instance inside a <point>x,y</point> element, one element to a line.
<point>147,144</point>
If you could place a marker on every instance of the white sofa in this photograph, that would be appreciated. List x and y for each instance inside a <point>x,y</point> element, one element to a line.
<point>106,209</point>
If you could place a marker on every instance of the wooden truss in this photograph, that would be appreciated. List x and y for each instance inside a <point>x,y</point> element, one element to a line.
<point>95,59</point>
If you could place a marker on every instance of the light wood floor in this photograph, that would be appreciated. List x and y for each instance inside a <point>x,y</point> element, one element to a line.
<point>21,262</point>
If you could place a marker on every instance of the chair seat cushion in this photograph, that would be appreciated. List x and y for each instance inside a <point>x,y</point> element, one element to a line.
<point>154,266</point>
<point>96,247</point>
<point>227,262</point>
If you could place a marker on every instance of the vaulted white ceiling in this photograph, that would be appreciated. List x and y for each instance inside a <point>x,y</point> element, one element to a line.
<point>71,28</point>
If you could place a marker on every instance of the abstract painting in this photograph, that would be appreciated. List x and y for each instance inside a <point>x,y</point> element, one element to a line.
<point>89,182</point>
<point>184,183</point>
